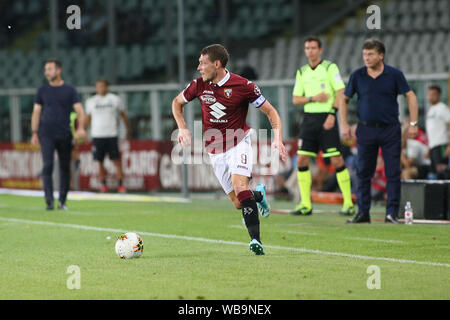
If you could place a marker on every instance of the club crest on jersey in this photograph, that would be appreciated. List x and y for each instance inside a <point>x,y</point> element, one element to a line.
<point>208,99</point>
<point>228,92</point>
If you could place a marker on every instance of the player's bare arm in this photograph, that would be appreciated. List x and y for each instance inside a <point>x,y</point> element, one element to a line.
<point>275,122</point>
<point>184,135</point>
<point>126,122</point>
<point>35,118</point>
<point>343,107</point>
<point>413,112</point>
<point>80,133</point>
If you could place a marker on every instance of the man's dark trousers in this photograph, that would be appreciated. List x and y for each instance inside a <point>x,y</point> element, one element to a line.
<point>370,137</point>
<point>63,146</point>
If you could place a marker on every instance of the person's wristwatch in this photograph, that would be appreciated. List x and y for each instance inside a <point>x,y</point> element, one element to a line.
<point>310,99</point>
<point>413,123</point>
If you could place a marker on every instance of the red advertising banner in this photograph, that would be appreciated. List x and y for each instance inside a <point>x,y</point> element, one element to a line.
<point>20,166</point>
<point>147,165</point>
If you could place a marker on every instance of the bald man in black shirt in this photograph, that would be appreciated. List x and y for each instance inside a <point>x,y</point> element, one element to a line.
<point>50,123</point>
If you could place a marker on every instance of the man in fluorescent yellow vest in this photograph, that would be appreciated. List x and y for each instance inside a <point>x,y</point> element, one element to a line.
<point>318,87</point>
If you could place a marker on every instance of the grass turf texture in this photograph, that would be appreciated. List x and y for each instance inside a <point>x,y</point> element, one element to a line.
<point>35,257</point>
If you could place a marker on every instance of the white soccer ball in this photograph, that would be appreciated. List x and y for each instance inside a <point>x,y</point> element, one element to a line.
<point>129,245</point>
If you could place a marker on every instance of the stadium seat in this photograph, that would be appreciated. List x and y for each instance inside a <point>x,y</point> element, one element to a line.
<point>253,59</point>
<point>444,20</point>
<point>443,6</point>
<point>416,66</point>
<point>417,7</point>
<point>429,66</point>
<point>265,68</point>
<point>439,39</point>
<point>149,56</point>
<point>430,6</point>
<point>391,23</point>
<point>390,8</point>
<point>418,22</point>
<point>405,22</point>
<point>404,7</point>
<point>280,51</point>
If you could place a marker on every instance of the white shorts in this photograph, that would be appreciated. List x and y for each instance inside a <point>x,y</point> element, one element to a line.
<point>237,160</point>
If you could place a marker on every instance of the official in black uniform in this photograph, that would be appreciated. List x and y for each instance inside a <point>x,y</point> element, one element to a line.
<point>50,123</point>
<point>377,86</point>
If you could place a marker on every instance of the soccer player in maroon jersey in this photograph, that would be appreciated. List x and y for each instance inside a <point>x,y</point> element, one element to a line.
<point>225,98</point>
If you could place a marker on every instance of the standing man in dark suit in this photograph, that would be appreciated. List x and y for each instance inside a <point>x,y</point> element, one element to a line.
<point>50,123</point>
<point>378,85</point>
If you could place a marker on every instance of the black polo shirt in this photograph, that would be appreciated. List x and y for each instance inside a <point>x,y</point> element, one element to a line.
<point>57,104</point>
<point>377,98</point>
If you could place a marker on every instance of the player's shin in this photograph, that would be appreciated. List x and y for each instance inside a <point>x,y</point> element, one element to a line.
<point>250,214</point>
<point>304,183</point>
<point>343,178</point>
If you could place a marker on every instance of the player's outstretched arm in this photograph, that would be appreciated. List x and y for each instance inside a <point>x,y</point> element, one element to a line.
<point>275,122</point>
<point>184,135</point>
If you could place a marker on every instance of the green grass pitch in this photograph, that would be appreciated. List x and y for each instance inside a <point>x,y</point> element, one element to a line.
<point>199,250</point>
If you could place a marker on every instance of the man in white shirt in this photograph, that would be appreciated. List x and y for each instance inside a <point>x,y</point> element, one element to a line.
<point>414,159</point>
<point>103,110</point>
<point>437,123</point>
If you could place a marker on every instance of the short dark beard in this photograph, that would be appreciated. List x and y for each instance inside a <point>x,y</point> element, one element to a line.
<point>53,79</point>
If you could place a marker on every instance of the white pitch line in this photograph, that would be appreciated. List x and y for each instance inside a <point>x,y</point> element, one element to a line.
<point>174,236</point>
<point>315,234</point>
<point>375,240</point>
<point>284,231</point>
<point>85,195</point>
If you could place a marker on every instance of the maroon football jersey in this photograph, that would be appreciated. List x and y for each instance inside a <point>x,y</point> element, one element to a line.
<point>224,109</point>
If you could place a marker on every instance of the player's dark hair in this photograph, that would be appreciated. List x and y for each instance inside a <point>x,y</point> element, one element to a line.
<point>435,87</point>
<point>216,52</point>
<point>102,80</point>
<point>313,38</point>
<point>374,43</point>
<point>57,63</point>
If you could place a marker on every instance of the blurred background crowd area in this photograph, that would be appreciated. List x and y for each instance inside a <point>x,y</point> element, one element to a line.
<point>135,45</point>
